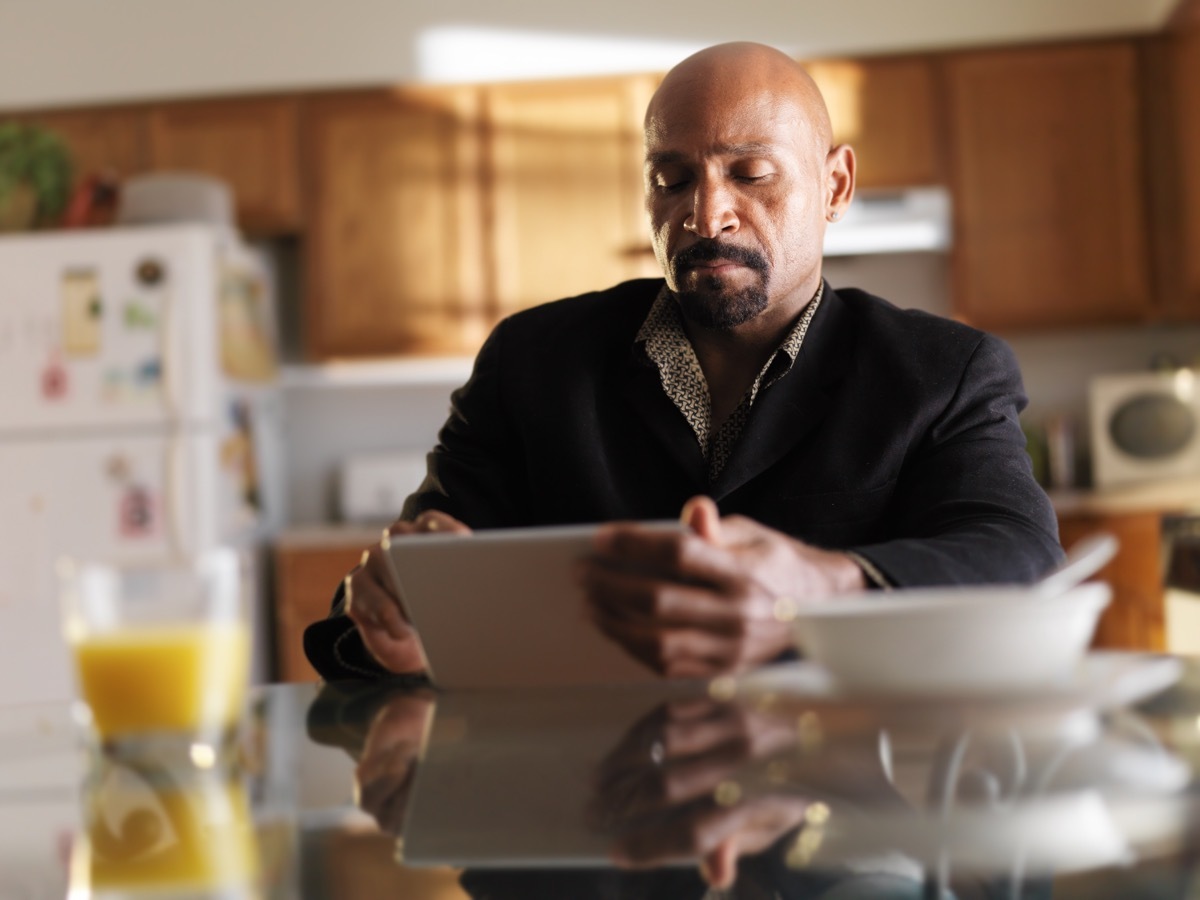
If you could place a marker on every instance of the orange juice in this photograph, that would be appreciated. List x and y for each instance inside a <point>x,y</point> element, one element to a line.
<point>169,678</point>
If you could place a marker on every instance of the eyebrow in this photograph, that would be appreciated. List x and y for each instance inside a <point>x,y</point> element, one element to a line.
<point>751,148</point>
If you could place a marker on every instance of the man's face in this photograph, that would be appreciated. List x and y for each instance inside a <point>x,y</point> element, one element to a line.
<point>735,189</point>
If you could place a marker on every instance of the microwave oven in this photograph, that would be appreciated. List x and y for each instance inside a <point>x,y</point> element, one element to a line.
<point>1144,426</point>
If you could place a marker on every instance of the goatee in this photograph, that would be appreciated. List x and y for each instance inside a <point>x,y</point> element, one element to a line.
<point>718,307</point>
<point>712,303</point>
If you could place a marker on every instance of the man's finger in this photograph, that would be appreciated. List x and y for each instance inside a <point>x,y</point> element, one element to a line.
<point>657,603</point>
<point>434,520</point>
<point>674,555</point>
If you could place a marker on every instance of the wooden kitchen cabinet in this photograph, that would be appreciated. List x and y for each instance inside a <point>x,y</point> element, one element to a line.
<point>1172,99</point>
<point>1047,183</point>
<point>1136,617</point>
<point>306,576</point>
<point>564,172</point>
<point>110,140</point>
<point>889,110</point>
<point>250,143</point>
<point>394,250</point>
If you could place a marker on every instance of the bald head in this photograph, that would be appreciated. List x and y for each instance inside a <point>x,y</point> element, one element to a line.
<point>741,178</point>
<point>727,75</point>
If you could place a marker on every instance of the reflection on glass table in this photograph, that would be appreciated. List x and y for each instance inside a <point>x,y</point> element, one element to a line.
<point>773,789</point>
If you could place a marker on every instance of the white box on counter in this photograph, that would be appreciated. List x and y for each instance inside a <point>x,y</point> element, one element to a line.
<point>373,486</point>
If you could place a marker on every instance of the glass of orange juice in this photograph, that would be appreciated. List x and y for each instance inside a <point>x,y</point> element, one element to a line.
<point>162,652</point>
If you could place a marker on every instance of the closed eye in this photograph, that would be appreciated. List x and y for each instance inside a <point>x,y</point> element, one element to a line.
<point>671,187</point>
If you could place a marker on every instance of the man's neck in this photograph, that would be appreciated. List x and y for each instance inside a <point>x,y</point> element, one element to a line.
<point>732,358</point>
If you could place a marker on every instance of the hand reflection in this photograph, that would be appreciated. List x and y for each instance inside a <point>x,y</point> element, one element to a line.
<point>666,793</point>
<point>384,775</point>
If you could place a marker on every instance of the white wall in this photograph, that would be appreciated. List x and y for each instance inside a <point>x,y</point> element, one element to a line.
<point>60,52</point>
<point>324,425</point>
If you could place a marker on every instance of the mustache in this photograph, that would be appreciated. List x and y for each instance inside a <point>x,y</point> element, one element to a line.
<point>710,251</point>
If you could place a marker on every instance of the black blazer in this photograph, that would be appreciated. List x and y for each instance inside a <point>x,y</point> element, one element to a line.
<point>895,434</point>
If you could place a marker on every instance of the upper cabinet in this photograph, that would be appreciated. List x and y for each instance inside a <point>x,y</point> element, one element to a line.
<point>252,144</point>
<point>394,246</point>
<point>1172,99</point>
<point>1047,184</point>
<point>564,172</point>
<point>888,109</point>
<point>111,141</point>
<point>1186,59</point>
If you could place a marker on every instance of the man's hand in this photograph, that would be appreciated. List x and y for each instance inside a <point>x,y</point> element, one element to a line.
<point>373,606</point>
<point>717,598</point>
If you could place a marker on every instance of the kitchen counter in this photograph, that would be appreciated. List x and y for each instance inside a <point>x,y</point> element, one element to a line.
<point>1169,496</point>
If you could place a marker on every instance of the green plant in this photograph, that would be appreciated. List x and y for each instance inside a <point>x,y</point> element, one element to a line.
<point>38,158</point>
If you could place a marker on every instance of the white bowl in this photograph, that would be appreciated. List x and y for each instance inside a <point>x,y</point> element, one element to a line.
<point>951,640</point>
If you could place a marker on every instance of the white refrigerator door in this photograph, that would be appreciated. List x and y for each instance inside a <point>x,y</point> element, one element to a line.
<point>139,497</point>
<point>109,328</point>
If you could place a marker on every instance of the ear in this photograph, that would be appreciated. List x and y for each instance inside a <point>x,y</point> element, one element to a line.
<point>839,181</point>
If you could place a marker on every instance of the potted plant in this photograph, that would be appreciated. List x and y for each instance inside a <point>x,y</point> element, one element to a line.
<point>35,176</point>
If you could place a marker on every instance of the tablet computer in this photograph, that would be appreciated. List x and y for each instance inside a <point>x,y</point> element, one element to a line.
<point>500,608</point>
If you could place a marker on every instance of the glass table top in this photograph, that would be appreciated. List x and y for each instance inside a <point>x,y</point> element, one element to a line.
<point>769,786</point>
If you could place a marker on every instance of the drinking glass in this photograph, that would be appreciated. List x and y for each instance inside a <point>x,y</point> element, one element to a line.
<point>162,653</point>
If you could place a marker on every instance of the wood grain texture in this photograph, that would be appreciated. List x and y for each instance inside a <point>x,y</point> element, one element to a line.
<point>1136,618</point>
<point>250,143</point>
<point>889,111</point>
<point>109,140</point>
<point>564,175</point>
<point>1049,207</point>
<point>305,582</point>
<point>394,258</point>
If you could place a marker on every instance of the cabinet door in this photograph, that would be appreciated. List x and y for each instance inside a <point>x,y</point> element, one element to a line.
<point>305,581</point>
<point>111,140</point>
<point>565,171</point>
<point>1050,225</point>
<point>249,143</point>
<point>1136,617</point>
<point>394,251</point>
<point>888,110</point>
<point>1182,181</point>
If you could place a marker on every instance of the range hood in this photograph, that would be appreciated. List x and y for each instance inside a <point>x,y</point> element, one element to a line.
<point>898,221</point>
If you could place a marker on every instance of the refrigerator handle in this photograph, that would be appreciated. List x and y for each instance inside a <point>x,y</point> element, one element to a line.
<point>171,364</point>
<point>175,496</point>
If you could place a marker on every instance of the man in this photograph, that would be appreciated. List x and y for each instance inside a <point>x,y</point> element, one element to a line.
<point>817,442</point>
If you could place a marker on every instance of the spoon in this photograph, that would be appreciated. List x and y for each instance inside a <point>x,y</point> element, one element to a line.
<point>1085,558</point>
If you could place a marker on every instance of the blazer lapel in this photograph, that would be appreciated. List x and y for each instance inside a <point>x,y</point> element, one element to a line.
<point>644,391</point>
<point>789,411</point>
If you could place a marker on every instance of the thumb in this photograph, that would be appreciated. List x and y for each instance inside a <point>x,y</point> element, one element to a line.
<point>700,514</point>
<point>719,866</point>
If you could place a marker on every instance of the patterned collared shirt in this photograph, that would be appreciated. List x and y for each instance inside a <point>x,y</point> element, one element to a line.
<point>668,347</point>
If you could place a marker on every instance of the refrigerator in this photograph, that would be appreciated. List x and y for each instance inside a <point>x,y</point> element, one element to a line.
<point>139,420</point>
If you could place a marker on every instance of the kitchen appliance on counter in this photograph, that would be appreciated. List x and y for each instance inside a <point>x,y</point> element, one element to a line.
<point>1145,426</point>
<point>139,419</point>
